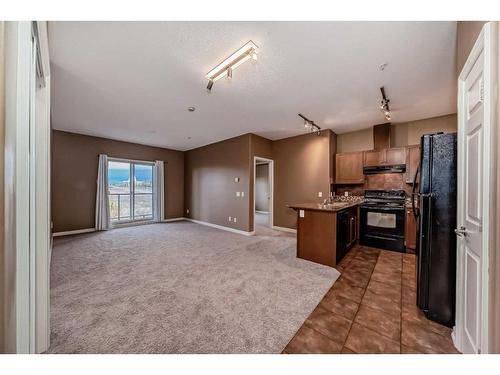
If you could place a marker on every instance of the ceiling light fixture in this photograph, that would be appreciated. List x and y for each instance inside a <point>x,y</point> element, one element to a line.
<point>226,67</point>
<point>384,105</point>
<point>309,124</point>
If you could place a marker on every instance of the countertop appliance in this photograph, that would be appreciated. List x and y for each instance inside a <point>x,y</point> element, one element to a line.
<point>437,218</point>
<point>382,222</point>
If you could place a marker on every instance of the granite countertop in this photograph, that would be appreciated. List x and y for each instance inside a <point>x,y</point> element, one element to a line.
<point>335,207</point>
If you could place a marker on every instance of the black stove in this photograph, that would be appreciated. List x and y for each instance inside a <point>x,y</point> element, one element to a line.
<point>383,219</point>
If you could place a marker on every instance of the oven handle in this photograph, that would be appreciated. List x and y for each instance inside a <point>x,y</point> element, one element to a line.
<point>382,208</point>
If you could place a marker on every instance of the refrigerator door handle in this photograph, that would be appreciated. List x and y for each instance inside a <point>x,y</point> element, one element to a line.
<point>414,194</point>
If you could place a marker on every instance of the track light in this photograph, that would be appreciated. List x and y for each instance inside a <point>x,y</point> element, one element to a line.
<point>226,67</point>
<point>309,124</point>
<point>210,84</point>
<point>384,105</point>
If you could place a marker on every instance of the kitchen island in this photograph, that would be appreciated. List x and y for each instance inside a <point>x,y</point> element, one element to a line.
<point>326,232</point>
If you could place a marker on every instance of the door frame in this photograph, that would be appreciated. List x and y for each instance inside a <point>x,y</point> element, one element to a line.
<point>271,189</point>
<point>486,43</point>
<point>27,186</point>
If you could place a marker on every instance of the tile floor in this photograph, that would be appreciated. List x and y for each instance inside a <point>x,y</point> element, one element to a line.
<point>371,309</point>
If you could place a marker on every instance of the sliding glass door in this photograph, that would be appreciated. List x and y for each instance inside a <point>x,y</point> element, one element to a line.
<point>130,186</point>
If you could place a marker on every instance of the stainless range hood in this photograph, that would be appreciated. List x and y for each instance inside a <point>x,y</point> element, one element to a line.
<point>396,168</point>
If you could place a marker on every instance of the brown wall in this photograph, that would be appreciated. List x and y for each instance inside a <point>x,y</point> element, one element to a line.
<point>302,169</point>
<point>74,175</point>
<point>210,187</point>
<point>467,33</point>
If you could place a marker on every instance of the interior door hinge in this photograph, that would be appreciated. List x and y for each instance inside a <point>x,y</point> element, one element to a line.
<point>482,90</point>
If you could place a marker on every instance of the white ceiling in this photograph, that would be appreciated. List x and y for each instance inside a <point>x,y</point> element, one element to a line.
<point>134,81</point>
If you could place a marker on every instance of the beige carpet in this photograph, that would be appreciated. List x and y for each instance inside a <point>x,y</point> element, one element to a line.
<point>180,288</point>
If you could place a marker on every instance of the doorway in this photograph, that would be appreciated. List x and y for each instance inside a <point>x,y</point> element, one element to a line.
<point>263,194</point>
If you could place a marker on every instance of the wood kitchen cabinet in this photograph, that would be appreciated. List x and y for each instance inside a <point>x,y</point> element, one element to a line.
<point>395,156</point>
<point>410,230</point>
<point>412,163</point>
<point>387,156</point>
<point>349,168</point>
<point>372,158</point>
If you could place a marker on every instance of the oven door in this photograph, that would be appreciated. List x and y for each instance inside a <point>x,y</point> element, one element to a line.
<point>383,227</point>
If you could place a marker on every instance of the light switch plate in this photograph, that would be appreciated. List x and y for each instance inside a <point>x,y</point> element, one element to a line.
<point>346,193</point>
<point>320,194</point>
<point>237,193</point>
<point>236,179</point>
<point>302,213</point>
<point>230,218</point>
<point>234,219</point>
<point>242,193</point>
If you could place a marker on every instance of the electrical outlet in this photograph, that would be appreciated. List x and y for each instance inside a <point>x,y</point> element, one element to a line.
<point>187,211</point>
<point>234,219</point>
<point>237,193</point>
<point>229,218</point>
<point>236,179</point>
<point>320,194</point>
<point>346,193</point>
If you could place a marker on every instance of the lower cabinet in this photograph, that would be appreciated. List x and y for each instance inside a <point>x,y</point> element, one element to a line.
<point>347,231</point>
<point>410,230</point>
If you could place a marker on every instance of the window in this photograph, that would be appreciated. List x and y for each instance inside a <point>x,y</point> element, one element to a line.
<point>130,187</point>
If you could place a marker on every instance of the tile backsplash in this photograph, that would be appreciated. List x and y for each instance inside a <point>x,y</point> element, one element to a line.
<point>383,181</point>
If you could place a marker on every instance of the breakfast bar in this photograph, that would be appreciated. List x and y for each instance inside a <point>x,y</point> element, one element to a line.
<point>326,232</point>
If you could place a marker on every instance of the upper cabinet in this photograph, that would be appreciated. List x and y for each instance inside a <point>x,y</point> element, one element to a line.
<point>387,156</point>
<point>412,162</point>
<point>349,168</point>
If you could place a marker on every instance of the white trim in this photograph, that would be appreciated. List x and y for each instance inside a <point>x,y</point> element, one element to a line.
<point>486,42</point>
<point>72,232</point>
<point>271,189</point>
<point>90,230</point>
<point>131,161</point>
<point>284,229</point>
<point>262,212</point>
<point>239,231</point>
<point>173,219</point>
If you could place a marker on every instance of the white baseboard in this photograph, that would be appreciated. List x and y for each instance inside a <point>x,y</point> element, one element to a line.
<point>239,231</point>
<point>173,219</point>
<point>262,212</point>
<point>71,232</point>
<point>283,229</point>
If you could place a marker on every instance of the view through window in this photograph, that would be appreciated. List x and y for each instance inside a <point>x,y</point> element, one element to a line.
<point>130,186</point>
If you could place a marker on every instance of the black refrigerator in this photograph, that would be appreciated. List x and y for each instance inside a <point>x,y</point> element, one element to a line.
<point>436,192</point>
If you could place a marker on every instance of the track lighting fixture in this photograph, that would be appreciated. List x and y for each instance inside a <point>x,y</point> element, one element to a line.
<point>384,105</point>
<point>210,84</point>
<point>226,67</point>
<point>309,124</point>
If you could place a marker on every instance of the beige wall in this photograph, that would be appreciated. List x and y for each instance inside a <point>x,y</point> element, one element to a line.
<point>359,140</point>
<point>74,175</point>
<point>467,33</point>
<point>2,139</point>
<point>402,134</point>
<point>409,133</point>
<point>262,187</point>
<point>302,169</point>
<point>210,187</point>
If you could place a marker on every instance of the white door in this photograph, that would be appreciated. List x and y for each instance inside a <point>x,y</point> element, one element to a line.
<point>473,195</point>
